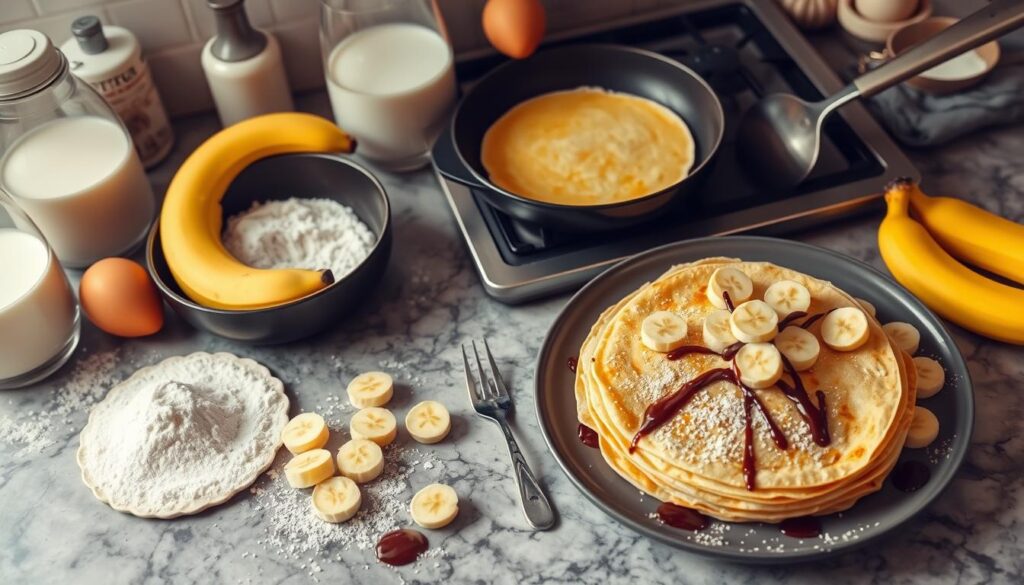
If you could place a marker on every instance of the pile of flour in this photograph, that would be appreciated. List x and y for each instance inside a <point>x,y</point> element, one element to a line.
<point>299,233</point>
<point>182,435</point>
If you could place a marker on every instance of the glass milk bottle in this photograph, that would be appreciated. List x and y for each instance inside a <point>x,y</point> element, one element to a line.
<point>390,79</point>
<point>39,322</point>
<point>65,157</point>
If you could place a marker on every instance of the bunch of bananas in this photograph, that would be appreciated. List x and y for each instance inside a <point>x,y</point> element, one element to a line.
<point>924,255</point>
<point>191,218</point>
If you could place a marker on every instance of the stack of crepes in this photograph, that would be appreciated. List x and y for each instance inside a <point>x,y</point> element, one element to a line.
<point>696,458</point>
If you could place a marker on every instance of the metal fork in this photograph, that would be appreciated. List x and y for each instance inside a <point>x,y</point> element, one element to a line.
<point>491,400</point>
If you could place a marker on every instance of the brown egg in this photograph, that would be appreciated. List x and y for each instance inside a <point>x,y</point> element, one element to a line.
<point>119,297</point>
<point>514,27</point>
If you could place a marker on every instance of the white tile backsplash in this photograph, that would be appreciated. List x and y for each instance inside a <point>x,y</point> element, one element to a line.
<point>172,32</point>
<point>137,15</point>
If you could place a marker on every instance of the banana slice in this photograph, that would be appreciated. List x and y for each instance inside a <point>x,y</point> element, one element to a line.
<point>923,429</point>
<point>930,376</point>
<point>787,296</point>
<point>760,364</point>
<point>663,331</point>
<point>428,422</point>
<point>799,345</point>
<point>434,506</point>
<point>904,335</point>
<point>867,306</point>
<point>304,432</point>
<point>732,280</point>
<point>370,389</point>
<point>309,468</point>
<point>754,322</point>
<point>717,330</point>
<point>845,329</point>
<point>360,460</point>
<point>374,423</point>
<point>336,499</point>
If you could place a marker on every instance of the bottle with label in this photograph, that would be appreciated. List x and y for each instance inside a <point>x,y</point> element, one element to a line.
<point>65,157</point>
<point>109,59</point>
<point>243,66</point>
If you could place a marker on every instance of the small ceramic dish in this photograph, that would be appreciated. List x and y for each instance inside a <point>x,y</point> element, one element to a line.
<point>910,35</point>
<point>875,31</point>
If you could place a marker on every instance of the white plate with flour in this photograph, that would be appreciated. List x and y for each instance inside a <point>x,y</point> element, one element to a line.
<point>183,435</point>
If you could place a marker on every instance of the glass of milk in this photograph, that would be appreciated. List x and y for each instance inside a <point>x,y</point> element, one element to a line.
<point>65,156</point>
<point>39,316</point>
<point>388,65</point>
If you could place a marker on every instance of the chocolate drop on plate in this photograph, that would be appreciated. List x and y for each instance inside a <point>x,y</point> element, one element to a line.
<point>572,363</point>
<point>401,547</point>
<point>801,527</point>
<point>680,517</point>
<point>910,476</point>
<point>588,436</point>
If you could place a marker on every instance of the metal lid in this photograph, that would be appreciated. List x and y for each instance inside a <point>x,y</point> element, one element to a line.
<point>88,31</point>
<point>28,60</point>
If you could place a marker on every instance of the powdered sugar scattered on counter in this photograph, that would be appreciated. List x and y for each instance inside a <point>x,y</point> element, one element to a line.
<point>36,430</point>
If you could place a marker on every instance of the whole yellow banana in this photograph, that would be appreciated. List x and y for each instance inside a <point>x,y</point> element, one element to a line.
<point>972,234</point>
<point>951,289</point>
<point>191,217</point>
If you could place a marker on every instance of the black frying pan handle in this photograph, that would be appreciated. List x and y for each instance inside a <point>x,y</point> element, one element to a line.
<point>448,163</point>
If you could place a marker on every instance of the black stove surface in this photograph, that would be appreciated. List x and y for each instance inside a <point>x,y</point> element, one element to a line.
<point>744,49</point>
<point>738,56</point>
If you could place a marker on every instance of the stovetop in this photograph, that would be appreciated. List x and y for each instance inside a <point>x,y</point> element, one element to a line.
<point>744,50</point>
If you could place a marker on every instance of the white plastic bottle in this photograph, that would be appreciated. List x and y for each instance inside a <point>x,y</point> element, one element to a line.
<point>243,67</point>
<point>109,59</point>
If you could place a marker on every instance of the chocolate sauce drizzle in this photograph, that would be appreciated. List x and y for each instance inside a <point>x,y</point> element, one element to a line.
<point>814,415</point>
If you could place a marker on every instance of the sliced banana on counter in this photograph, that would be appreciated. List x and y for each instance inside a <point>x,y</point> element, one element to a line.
<point>428,422</point>
<point>923,429</point>
<point>867,306</point>
<point>374,423</point>
<point>309,468</point>
<point>663,331</point>
<point>370,389</point>
<point>787,296</point>
<point>930,376</point>
<point>845,329</point>
<point>336,499</point>
<point>360,460</point>
<point>732,280</point>
<point>434,506</point>
<point>760,364</point>
<point>304,432</point>
<point>799,345</point>
<point>754,322</point>
<point>904,335</point>
<point>717,331</point>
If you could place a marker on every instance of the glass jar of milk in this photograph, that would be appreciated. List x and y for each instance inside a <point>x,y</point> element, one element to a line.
<point>388,65</point>
<point>39,317</point>
<point>65,157</point>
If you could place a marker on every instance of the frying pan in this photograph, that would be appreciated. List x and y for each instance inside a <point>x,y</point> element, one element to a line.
<point>611,67</point>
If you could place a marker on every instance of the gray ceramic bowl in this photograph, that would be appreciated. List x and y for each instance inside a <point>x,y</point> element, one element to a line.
<point>280,177</point>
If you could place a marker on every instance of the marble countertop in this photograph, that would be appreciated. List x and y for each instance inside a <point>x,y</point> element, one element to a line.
<point>52,530</point>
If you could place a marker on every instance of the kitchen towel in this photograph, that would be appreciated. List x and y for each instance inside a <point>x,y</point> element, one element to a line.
<point>917,118</point>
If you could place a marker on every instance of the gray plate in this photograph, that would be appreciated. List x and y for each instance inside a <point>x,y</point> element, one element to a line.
<point>869,519</point>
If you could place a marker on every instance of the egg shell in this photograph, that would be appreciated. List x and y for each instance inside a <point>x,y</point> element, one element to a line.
<point>514,27</point>
<point>119,297</point>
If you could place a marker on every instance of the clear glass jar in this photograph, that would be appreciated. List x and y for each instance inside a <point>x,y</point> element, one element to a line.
<point>390,76</point>
<point>39,316</point>
<point>65,157</point>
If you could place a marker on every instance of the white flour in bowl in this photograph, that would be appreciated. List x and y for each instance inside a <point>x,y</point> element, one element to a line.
<point>299,233</point>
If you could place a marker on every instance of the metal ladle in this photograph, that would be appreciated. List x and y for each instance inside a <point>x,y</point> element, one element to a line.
<point>779,138</point>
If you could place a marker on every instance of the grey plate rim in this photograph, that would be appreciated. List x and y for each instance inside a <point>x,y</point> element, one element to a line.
<point>677,251</point>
